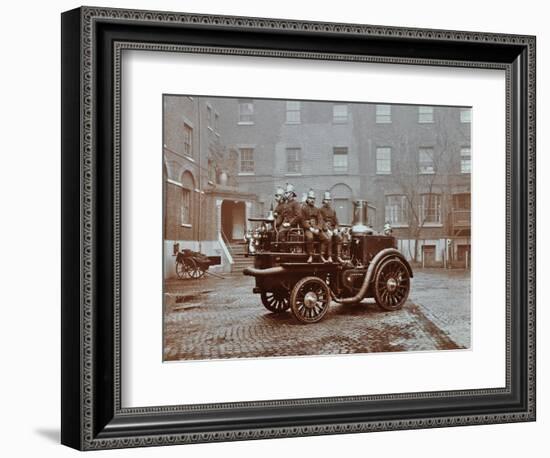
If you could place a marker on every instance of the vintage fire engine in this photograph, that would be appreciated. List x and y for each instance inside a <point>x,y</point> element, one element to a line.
<point>370,267</point>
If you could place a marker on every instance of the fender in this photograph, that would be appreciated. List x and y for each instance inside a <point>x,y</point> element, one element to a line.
<point>398,254</point>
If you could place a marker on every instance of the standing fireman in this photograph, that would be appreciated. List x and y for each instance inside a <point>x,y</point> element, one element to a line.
<point>312,223</point>
<point>330,228</point>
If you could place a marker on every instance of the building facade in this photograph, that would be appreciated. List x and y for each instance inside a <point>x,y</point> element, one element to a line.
<point>204,208</point>
<point>411,163</point>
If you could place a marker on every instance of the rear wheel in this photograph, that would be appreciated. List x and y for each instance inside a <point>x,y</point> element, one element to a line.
<point>310,299</point>
<point>392,284</point>
<point>275,301</point>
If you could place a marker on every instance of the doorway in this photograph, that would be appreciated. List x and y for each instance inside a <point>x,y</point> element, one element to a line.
<point>233,220</point>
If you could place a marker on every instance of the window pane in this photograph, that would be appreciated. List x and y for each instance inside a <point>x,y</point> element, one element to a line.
<point>383,114</point>
<point>461,201</point>
<point>425,160</point>
<point>465,160</point>
<point>383,160</point>
<point>425,114</point>
<point>293,105</point>
<point>465,115</point>
<point>293,160</point>
<point>186,206</point>
<point>293,112</point>
<point>340,113</point>
<point>246,112</point>
<point>397,210</point>
<point>247,160</point>
<point>430,209</point>
<point>209,116</point>
<point>340,159</point>
<point>187,140</point>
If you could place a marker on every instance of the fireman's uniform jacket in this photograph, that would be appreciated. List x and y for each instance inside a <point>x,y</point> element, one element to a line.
<point>288,213</point>
<point>330,224</point>
<point>311,217</point>
<point>329,218</point>
<point>279,211</point>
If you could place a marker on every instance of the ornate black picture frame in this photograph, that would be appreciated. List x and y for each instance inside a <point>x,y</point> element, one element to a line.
<point>92,42</point>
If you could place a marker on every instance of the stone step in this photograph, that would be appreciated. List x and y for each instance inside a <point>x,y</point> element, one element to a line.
<point>243,263</point>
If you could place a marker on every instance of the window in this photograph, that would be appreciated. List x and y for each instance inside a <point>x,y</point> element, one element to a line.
<point>465,160</point>
<point>187,140</point>
<point>397,210</point>
<point>293,160</point>
<point>430,209</point>
<point>211,171</point>
<point>340,159</point>
<point>246,160</point>
<point>465,115</point>
<point>383,114</point>
<point>425,114</point>
<point>461,201</point>
<point>383,160</point>
<point>246,112</point>
<point>185,206</point>
<point>216,121</point>
<point>293,112</point>
<point>209,116</point>
<point>340,113</point>
<point>426,160</point>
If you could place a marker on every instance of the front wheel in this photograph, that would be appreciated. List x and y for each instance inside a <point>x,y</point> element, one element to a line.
<point>310,299</point>
<point>392,284</point>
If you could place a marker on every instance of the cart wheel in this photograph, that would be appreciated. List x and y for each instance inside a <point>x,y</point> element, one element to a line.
<point>195,271</point>
<point>275,301</point>
<point>391,284</point>
<point>182,270</point>
<point>310,299</point>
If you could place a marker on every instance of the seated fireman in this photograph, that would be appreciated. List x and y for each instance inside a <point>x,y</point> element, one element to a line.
<point>279,202</point>
<point>312,222</point>
<point>289,216</point>
<point>330,228</point>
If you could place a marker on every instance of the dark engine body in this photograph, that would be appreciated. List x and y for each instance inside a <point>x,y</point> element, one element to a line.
<point>345,279</point>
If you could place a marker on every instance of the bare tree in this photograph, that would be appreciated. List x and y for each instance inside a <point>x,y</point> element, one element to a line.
<point>422,173</point>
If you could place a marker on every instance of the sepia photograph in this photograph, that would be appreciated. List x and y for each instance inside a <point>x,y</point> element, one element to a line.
<point>312,228</point>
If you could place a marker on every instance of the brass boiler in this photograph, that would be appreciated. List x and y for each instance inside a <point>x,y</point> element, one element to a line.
<point>360,218</point>
<point>359,233</point>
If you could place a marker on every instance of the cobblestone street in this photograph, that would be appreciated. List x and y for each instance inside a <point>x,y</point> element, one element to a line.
<point>215,318</point>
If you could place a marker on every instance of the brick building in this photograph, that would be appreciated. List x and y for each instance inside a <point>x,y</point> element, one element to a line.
<point>411,163</point>
<point>204,209</point>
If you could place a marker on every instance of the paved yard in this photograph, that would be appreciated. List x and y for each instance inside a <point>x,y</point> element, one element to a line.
<point>215,318</point>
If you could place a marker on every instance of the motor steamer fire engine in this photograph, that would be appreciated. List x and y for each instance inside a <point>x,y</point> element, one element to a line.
<point>370,267</point>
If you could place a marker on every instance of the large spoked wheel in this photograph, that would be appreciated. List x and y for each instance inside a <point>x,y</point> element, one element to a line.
<point>182,270</point>
<point>275,301</point>
<point>310,299</point>
<point>392,284</point>
<point>195,269</point>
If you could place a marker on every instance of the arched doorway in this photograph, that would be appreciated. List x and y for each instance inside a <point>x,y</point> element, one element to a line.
<point>233,220</point>
<point>342,198</point>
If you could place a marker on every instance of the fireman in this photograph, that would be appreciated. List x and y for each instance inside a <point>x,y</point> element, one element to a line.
<point>279,201</point>
<point>289,216</point>
<point>312,223</point>
<point>330,228</point>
